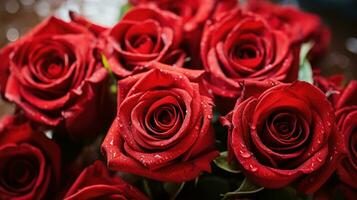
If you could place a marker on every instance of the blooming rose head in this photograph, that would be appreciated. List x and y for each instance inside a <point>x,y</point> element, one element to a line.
<point>145,34</point>
<point>163,126</point>
<point>240,45</point>
<point>193,12</point>
<point>300,26</point>
<point>95,182</point>
<point>346,114</point>
<point>30,163</point>
<point>284,134</point>
<point>55,76</point>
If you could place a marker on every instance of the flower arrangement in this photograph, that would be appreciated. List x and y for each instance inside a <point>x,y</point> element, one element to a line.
<point>185,99</point>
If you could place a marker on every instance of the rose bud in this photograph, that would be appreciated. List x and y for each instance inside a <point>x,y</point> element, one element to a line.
<point>95,182</point>
<point>284,135</point>
<point>55,77</point>
<point>163,126</point>
<point>30,162</point>
<point>240,45</point>
<point>300,26</point>
<point>346,114</point>
<point>145,34</point>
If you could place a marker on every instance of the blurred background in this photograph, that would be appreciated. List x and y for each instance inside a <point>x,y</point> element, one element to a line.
<point>19,16</point>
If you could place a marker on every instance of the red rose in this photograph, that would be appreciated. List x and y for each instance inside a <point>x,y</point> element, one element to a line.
<point>30,163</point>
<point>346,114</point>
<point>163,126</point>
<point>55,77</point>
<point>145,34</point>
<point>240,45</point>
<point>284,134</point>
<point>95,182</point>
<point>300,26</point>
<point>194,13</point>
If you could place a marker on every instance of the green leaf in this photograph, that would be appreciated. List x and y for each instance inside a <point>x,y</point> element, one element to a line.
<point>245,188</point>
<point>106,64</point>
<point>113,87</point>
<point>173,189</point>
<point>147,188</point>
<point>305,71</point>
<point>305,48</point>
<point>222,162</point>
<point>215,115</point>
<point>124,9</point>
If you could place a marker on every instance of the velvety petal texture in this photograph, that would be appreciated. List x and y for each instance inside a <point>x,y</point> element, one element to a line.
<point>30,163</point>
<point>240,45</point>
<point>95,182</point>
<point>163,126</point>
<point>284,134</point>
<point>145,34</point>
<point>55,77</point>
<point>346,114</point>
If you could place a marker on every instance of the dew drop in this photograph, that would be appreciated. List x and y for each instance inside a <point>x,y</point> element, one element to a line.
<point>111,142</point>
<point>319,159</point>
<point>246,154</point>
<point>209,116</point>
<point>252,168</point>
<point>157,156</point>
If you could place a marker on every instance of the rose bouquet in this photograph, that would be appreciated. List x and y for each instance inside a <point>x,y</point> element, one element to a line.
<point>186,99</point>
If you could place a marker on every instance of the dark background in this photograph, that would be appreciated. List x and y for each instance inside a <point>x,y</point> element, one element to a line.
<point>18,16</point>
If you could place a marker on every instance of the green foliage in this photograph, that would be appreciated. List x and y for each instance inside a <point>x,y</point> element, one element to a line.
<point>305,71</point>
<point>222,162</point>
<point>124,9</point>
<point>246,188</point>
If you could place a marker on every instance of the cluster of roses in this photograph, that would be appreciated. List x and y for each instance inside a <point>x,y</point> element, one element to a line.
<point>169,62</point>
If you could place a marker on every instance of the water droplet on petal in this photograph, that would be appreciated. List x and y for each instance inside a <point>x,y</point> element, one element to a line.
<point>252,168</point>
<point>319,159</point>
<point>331,157</point>
<point>157,156</point>
<point>246,154</point>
